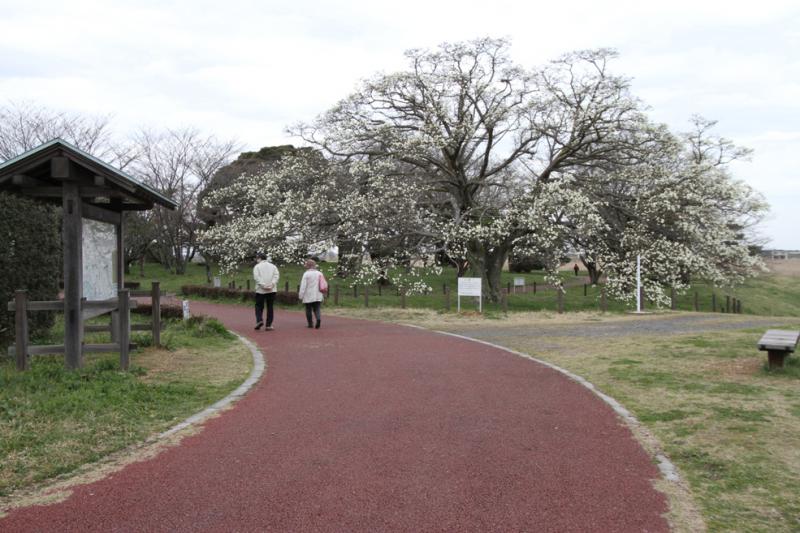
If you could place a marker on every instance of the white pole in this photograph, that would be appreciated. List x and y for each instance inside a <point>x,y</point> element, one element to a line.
<point>638,284</point>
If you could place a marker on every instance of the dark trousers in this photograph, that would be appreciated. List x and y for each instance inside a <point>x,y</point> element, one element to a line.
<point>261,299</point>
<point>315,307</point>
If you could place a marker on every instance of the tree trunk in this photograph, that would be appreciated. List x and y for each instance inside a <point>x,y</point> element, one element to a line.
<point>487,263</point>
<point>349,256</point>
<point>593,270</point>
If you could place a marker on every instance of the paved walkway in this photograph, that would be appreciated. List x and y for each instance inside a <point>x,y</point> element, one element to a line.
<point>362,426</point>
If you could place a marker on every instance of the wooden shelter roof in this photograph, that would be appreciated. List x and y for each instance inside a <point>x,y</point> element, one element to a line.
<point>40,172</point>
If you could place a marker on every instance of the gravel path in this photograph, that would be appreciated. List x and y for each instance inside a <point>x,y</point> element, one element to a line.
<point>631,326</point>
<point>364,426</point>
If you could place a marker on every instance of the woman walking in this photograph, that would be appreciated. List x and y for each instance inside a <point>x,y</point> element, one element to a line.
<point>311,291</point>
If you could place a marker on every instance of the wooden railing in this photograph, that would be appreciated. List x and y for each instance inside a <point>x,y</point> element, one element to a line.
<point>119,328</point>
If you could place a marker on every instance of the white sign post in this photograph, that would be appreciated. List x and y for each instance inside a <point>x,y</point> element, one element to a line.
<point>470,287</point>
<point>638,284</point>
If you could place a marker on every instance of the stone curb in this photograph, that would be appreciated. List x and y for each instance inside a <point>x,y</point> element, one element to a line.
<point>258,369</point>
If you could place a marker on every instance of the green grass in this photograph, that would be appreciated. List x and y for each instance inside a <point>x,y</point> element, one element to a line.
<point>53,420</point>
<point>766,295</point>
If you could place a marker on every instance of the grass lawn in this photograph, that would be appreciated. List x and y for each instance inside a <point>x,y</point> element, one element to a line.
<point>769,294</point>
<point>731,426</point>
<point>52,421</point>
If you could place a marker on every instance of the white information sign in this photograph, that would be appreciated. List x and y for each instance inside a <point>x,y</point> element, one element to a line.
<point>470,287</point>
<point>217,282</point>
<point>519,282</point>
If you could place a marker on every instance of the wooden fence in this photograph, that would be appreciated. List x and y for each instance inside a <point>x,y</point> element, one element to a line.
<point>120,326</point>
<point>542,292</point>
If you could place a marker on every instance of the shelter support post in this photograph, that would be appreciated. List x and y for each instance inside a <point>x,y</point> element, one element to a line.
<point>73,275</point>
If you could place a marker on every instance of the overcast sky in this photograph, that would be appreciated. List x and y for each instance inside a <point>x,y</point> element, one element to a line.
<point>246,70</point>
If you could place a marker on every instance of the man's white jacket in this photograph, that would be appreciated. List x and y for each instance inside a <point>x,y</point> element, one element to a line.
<point>266,276</point>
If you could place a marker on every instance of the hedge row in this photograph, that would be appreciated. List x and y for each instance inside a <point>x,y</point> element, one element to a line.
<point>167,310</point>
<point>30,258</point>
<point>288,298</point>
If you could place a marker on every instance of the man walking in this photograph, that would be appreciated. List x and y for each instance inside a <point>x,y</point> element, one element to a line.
<point>266,276</point>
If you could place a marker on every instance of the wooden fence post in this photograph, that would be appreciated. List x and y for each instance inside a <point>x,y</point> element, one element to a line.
<point>585,289</point>
<point>713,303</point>
<point>739,306</point>
<point>560,300</point>
<point>355,291</point>
<point>672,303</point>
<point>403,299</point>
<point>248,284</point>
<point>534,287</point>
<point>21,329</point>
<point>124,328</point>
<point>156,310</point>
<point>336,294</point>
<point>696,301</point>
<point>366,295</point>
<point>286,287</point>
<point>380,289</point>
<point>504,300</point>
<point>727,304</point>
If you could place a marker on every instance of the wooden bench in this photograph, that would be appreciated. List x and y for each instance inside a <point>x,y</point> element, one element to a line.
<point>778,343</point>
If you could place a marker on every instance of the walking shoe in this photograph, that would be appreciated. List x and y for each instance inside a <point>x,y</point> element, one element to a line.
<point>259,324</point>
<point>317,326</point>
<point>268,328</point>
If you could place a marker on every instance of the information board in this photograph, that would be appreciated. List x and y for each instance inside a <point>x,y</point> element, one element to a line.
<point>519,282</point>
<point>470,287</point>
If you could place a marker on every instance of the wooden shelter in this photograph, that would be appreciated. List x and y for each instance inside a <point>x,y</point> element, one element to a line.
<point>86,188</point>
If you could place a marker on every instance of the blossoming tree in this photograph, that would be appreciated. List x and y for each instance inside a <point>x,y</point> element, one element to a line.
<point>470,154</point>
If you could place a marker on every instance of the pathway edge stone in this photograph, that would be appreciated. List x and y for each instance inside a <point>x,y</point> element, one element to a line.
<point>259,365</point>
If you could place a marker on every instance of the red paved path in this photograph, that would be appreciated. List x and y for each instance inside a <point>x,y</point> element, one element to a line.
<point>362,426</point>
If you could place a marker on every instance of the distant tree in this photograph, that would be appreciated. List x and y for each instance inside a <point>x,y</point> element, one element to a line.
<point>180,164</point>
<point>25,125</point>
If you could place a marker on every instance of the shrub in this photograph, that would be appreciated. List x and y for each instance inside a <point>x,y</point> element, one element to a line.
<point>206,291</point>
<point>30,258</point>
<point>525,263</point>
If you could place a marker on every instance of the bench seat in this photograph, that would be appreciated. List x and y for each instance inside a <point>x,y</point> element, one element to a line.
<point>778,343</point>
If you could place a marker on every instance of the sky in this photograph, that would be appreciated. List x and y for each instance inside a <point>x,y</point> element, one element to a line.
<point>248,69</point>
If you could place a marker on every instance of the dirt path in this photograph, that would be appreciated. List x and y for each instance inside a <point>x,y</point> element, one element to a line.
<point>364,426</point>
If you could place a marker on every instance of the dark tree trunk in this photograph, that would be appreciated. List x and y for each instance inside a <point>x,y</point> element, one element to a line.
<point>349,256</point>
<point>487,263</point>
<point>594,272</point>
